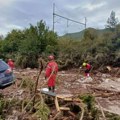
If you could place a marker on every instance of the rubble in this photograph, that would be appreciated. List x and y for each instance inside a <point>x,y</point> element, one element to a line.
<point>104,86</point>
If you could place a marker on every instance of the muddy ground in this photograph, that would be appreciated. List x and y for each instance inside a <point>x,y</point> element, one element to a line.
<point>104,86</point>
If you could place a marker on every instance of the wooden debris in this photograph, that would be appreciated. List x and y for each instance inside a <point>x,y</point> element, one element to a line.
<point>36,84</point>
<point>64,108</point>
<point>105,90</point>
<point>57,104</point>
<point>103,114</point>
<point>109,68</point>
<point>66,98</point>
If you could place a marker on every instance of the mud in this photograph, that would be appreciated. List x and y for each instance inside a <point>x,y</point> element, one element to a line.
<point>75,83</point>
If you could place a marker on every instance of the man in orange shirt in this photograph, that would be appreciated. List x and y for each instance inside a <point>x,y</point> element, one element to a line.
<point>51,73</point>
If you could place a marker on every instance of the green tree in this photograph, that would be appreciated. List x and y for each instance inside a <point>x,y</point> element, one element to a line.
<point>24,46</point>
<point>10,44</point>
<point>12,41</point>
<point>38,39</point>
<point>1,37</point>
<point>112,21</point>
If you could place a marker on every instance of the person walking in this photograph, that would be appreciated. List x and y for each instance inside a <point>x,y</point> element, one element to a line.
<point>51,73</point>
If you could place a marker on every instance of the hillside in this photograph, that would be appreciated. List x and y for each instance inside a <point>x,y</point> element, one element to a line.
<point>79,35</point>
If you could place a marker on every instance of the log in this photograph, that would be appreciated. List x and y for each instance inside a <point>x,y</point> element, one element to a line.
<point>105,90</point>
<point>64,108</point>
<point>103,114</point>
<point>56,104</point>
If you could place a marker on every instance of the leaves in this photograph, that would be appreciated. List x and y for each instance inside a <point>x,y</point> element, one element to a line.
<point>26,45</point>
<point>96,47</point>
<point>112,21</point>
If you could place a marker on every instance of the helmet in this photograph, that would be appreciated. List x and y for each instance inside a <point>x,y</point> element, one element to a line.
<point>84,64</point>
<point>9,59</point>
<point>51,57</point>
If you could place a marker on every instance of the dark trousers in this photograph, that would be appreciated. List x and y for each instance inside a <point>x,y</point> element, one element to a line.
<point>87,70</point>
<point>51,88</point>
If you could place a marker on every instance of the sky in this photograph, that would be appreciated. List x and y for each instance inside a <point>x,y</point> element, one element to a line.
<point>19,14</point>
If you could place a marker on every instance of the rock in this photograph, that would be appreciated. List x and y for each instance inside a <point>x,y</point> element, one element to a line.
<point>112,86</point>
<point>105,75</point>
<point>19,92</point>
<point>63,72</point>
<point>28,68</point>
<point>109,68</point>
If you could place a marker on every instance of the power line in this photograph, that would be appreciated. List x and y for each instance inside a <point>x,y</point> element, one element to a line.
<point>68,19</point>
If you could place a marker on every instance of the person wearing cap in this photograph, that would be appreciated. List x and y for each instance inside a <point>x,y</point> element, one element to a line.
<point>11,63</point>
<point>88,68</point>
<point>51,73</point>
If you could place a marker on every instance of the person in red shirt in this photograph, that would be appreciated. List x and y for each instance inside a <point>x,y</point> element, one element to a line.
<point>11,64</point>
<point>51,73</point>
<point>88,68</point>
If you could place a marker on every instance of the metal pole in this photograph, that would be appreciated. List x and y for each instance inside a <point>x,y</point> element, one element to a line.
<point>53,15</point>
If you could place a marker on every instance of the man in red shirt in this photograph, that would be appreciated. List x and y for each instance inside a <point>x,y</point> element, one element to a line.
<point>88,68</point>
<point>51,73</point>
<point>11,64</point>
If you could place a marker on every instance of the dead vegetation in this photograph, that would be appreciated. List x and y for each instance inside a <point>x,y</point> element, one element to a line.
<point>94,98</point>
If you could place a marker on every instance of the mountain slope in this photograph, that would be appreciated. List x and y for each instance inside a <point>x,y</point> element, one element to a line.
<point>80,35</point>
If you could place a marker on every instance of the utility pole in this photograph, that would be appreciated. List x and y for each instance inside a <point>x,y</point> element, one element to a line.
<point>53,15</point>
<point>68,19</point>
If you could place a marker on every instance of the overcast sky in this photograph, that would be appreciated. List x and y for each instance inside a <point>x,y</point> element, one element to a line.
<point>18,14</point>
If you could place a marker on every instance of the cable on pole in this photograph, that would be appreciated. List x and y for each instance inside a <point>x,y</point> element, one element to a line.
<point>68,19</point>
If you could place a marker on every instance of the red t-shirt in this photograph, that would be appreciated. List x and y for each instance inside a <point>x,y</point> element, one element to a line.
<point>51,72</point>
<point>11,64</point>
<point>88,66</point>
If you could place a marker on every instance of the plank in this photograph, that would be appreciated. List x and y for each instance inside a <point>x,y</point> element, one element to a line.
<point>64,108</point>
